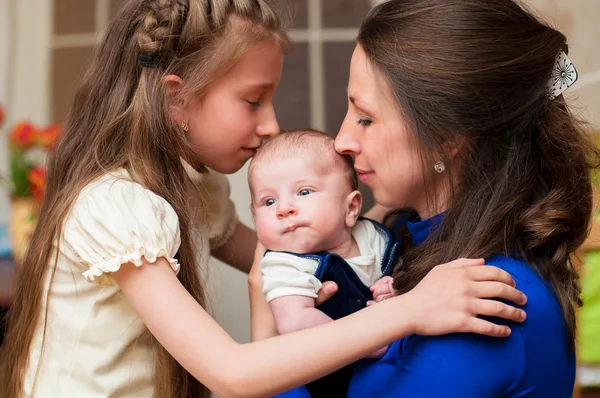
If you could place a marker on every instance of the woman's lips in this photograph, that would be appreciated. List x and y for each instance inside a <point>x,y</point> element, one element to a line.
<point>365,176</point>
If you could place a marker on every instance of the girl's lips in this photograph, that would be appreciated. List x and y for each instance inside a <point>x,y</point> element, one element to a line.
<point>250,151</point>
<point>365,176</point>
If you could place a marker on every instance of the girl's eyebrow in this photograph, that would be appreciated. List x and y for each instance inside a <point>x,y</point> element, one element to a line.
<point>264,85</point>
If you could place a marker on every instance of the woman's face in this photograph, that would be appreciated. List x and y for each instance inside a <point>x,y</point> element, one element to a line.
<point>375,133</point>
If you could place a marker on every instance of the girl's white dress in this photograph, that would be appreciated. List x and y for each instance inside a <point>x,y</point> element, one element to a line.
<point>94,344</point>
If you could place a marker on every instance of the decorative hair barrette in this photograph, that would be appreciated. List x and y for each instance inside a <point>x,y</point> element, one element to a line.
<point>564,75</point>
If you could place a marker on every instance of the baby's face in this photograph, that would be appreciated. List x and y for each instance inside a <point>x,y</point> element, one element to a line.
<point>300,204</point>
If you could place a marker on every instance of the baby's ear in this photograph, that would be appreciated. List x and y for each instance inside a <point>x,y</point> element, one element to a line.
<point>353,206</point>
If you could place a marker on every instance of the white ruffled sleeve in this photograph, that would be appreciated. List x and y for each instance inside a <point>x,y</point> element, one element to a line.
<point>116,222</point>
<point>284,274</point>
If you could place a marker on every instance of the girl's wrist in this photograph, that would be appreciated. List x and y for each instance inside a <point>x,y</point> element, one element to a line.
<point>398,315</point>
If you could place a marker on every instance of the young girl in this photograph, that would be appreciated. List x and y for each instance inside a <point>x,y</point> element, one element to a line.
<point>109,298</point>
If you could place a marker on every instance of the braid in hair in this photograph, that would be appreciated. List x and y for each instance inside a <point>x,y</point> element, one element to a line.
<point>159,31</point>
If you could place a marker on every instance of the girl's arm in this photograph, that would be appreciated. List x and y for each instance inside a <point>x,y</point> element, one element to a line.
<point>238,251</point>
<point>447,300</point>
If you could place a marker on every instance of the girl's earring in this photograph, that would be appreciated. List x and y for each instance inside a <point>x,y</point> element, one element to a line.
<point>184,126</point>
<point>439,167</point>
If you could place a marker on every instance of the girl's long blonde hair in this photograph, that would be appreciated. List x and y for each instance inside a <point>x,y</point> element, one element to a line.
<point>120,119</point>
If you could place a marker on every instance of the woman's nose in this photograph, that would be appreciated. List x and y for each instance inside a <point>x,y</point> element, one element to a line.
<point>345,143</point>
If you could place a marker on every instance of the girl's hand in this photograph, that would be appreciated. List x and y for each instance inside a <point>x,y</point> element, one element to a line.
<point>452,295</point>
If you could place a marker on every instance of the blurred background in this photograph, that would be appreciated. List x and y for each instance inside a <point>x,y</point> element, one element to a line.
<point>45,45</point>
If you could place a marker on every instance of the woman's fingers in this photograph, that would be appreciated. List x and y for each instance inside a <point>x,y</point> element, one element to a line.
<point>328,289</point>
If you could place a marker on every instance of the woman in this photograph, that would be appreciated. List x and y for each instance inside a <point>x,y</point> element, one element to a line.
<point>454,113</point>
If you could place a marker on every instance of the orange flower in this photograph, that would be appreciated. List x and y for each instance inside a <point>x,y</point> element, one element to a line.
<point>47,136</point>
<point>37,182</point>
<point>23,135</point>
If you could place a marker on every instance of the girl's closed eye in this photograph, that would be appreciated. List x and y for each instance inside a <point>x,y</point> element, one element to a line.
<point>305,191</point>
<point>364,122</point>
<point>254,104</point>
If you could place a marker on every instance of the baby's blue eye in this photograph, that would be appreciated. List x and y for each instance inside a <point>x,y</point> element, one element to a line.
<point>304,192</point>
<point>269,202</point>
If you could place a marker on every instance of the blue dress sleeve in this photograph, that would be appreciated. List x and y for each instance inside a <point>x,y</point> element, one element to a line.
<point>452,366</point>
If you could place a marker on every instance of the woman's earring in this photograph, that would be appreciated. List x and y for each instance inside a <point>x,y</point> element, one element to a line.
<point>184,126</point>
<point>439,167</point>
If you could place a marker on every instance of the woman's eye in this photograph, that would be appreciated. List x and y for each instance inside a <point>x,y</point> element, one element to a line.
<point>304,192</point>
<point>364,122</point>
<point>254,104</point>
<point>269,202</point>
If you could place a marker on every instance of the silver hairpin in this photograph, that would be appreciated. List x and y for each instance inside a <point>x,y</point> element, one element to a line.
<point>564,75</point>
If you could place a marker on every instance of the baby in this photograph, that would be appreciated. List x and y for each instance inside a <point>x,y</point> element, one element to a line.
<point>306,206</point>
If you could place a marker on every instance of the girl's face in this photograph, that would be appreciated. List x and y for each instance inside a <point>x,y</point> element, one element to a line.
<point>229,123</point>
<point>377,136</point>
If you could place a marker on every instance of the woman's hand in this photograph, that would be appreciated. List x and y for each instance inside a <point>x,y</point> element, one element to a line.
<point>255,275</point>
<point>452,295</point>
<point>261,318</point>
<point>255,278</point>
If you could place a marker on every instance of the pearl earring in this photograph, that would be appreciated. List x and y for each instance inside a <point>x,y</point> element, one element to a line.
<point>184,126</point>
<point>439,167</point>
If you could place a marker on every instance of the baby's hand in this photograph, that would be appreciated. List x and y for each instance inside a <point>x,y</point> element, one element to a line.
<point>379,353</point>
<point>382,289</point>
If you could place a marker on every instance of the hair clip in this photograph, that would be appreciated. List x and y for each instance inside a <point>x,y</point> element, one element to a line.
<point>564,75</point>
<point>149,61</point>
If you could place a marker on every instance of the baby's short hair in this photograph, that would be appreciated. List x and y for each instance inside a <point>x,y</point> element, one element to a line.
<point>310,141</point>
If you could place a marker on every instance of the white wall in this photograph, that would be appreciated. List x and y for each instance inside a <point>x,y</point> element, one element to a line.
<point>25,28</point>
<point>5,46</point>
<point>229,287</point>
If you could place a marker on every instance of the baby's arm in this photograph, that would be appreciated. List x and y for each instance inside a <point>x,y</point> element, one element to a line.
<point>291,287</point>
<point>293,313</point>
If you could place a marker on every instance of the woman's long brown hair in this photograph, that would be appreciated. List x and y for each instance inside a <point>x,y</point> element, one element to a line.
<point>473,75</point>
<point>120,119</point>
